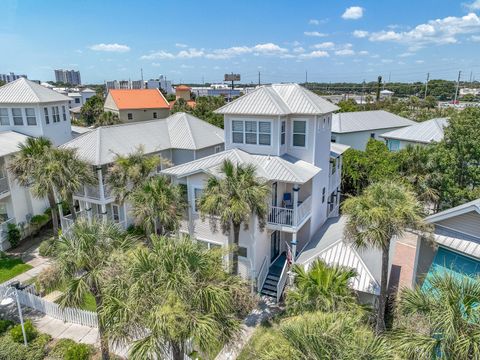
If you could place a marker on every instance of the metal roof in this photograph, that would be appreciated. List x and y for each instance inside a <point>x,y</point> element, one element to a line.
<point>179,131</point>
<point>24,91</point>
<point>455,211</point>
<point>274,168</point>
<point>9,142</point>
<point>367,120</point>
<point>328,244</point>
<point>337,149</point>
<point>279,99</point>
<point>460,242</point>
<point>424,132</point>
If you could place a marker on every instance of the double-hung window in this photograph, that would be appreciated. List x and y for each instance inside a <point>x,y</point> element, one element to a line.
<point>17,117</point>
<point>55,114</point>
<point>197,194</point>
<point>264,132</point>
<point>64,113</point>
<point>282,133</point>
<point>299,133</point>
<point>251,132</point>
<point>47,118</point>
<point>4,117</point>
<point>31,118</point>
<point>237,132</point>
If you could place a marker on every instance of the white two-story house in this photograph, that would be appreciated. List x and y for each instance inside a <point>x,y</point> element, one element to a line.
<point>285,131</point>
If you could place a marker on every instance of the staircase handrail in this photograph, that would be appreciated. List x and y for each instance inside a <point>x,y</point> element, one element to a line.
<point>262,274</point>
<point>282,280</point>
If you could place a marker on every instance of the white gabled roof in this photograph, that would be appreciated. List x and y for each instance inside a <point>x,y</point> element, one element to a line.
<point>9,142</point>
<point>279,99</point>
<point>367,120</point>
<point>455,211</point>
<point>179,131</point>
<point>424,132</point>
<point>337,149</point>
<point>274,168</point>
<point>24,91</point>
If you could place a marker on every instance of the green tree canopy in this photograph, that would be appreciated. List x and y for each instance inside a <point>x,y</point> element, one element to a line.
<point>91,110</point>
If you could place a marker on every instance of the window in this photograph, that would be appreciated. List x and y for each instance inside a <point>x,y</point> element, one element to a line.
<point>242,251</point>
<point>372,135</point>
<point>115,213</point>
<point>251,132</point>
<point>77,100</point>
<point>130,116</point>
<point>323,195</point>
<point>47,119</point>
<point>282,133</point>
<point>333,138</point>
<point>154,115</point>
<point>55,114</point>
<point>393,145</point>
<point>64,113</point>
<point>197,193</point>
<point>299,133</point>
<point>237,132</point>
<point>208,245</point>
<point>31,119</point>
<point>17,117</point>
<point>218,148</point>
<point>4,117</point>
<point>264,131</point>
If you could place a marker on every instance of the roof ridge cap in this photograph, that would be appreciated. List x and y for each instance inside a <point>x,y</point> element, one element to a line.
<point>275,100</point>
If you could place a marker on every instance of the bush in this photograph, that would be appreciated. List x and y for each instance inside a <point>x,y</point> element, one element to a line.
<point>11,350</point>
<point>5,325</point>
<point>48,279</point>
<point>13,234</point>
<point>37,349</point>
<point>17,335</point>
<point>70,350</point>
<point>47,247</point>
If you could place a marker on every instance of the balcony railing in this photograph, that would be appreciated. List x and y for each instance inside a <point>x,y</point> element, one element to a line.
<point>93,192</point>
<point>285,216</point>
<point>67,220</point>
<point>4,187</point>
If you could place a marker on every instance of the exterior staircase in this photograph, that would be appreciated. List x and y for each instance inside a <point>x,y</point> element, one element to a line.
<point>273,277</point>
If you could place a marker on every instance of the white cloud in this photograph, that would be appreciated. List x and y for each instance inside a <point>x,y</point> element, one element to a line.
<point>324,45</point>
<point>315,54</point>
<point>419,61</point>
<point>363,52</point>
<point>78,51</point>
<point>314,22</point>
<point>158,55</point>
<point>406,54</point>
<point>360,33</point>
<point>190,53</point>
<point>110,47</point>
<point>475,5</point>
<point>184,66</point>
<point>345,52</point>
<point>299,50</point>
<point>387,61</point>
<point>228,52</point>
<point>439,31</point>
<point>353,13</point>
<point>180,45</point>
<point>268,48</point>
<point>475,38</point>
<point>314,33</point>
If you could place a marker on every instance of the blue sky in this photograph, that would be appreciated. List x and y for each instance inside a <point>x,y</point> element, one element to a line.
<point>191,41</point>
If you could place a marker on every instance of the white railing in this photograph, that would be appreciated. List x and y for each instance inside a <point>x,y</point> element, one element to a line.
<point>67,220</point>
<point>67,314</point>
<point>93,192</point>
<point>262,274</point>
<point>4,228</point>
<point>304,210</point>
<point>4,187</point>
<point>281,216</point>
<point>282,281</point>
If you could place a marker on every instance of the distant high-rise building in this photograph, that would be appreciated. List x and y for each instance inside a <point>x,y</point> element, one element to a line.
<point>71,77</point>
<point>125,84</point>
<point>11,77</point>
<point>161,83</point>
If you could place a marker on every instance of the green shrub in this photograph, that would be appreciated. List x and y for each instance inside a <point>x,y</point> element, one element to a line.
<point>11,350</point>
<point>47,247</point>
<point>5,325</point>
<point>17,335</point>
<point>67,349</point>
<point>13,234</point>
<point>136,230</point>
<point>48,280</point>
<point>37,349</point>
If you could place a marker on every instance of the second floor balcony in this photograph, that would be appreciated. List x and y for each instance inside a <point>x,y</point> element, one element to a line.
<point>93,192</point>
<point>289,218</point>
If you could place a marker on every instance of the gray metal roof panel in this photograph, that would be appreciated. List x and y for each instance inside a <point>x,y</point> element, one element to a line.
<point>424,132</point>
<point>337,149</point>
<point>24,91</point>
<point>367,120</point>
<point>9,142</point>
<point>463,243</point>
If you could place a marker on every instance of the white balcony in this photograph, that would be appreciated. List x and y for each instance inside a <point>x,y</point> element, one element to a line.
<point>287,219</point>
<point>4,187</point>
<point>67,220</point>
<point>93,192</point>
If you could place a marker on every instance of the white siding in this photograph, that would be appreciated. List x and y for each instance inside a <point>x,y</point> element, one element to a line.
<point>468,223</point>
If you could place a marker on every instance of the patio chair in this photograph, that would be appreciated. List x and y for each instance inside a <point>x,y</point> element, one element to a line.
<point>287,200</point>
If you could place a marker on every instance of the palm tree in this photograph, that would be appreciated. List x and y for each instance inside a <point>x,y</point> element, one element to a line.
<point>232,199</point>
<point>157,204</point>
<point>319,335</point>
<point>170,295</point>
<point>384,210</point>
<point>85,257</point>
<point>322,287</point>
<point>107,118</point>
<point>441,320</point>
<point>73,174</point>
<point>128,172</point>
<point>33,167</point>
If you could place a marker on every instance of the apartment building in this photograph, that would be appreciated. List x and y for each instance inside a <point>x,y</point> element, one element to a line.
<point>71,77</point>
<point>285,131</point>
<point>10,77</point>
<point>179,138</point>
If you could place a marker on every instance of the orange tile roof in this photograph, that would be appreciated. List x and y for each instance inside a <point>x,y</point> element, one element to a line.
<point>139,99</point>
<point>182,87</point>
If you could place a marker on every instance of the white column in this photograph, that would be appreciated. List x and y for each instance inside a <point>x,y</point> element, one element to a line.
<point>296,189</point>
<point>102,193</point>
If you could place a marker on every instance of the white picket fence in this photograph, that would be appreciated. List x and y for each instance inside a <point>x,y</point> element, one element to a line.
<point>66,314</point>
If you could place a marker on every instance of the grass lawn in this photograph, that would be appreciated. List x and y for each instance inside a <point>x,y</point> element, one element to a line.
<point>88,302</point>
<point>263,335</point>
<point>11,267</point>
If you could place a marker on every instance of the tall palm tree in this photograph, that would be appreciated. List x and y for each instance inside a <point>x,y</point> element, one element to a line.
<point>171,294</point>
<point>33,167</point>
<point>441,320</point>
<point>73,174</point>
<point>322,287</point>
<point>232,199</point>
<point>128,172</point>
<point>107,118</point>
<point>383,211</point>
<point>157,204</point>
<point>85,257</point>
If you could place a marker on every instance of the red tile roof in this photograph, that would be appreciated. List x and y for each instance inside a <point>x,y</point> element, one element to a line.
<point>139,99</point>
<point>182,88</point>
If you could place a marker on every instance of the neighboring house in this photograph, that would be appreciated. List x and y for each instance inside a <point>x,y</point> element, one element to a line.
<point>356,128</point>
<point>79,97</point>
<point>457,243</point>
<point>422,133</point>
<point>284,131</point>
<point>79,130</point>
<point>132,105</point>
<point>34,110</point>
<point>17,204</point>
<point>179,138</point>
<point>386,94</point>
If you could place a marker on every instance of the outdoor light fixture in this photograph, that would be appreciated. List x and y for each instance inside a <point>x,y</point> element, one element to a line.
<point>7,300</point>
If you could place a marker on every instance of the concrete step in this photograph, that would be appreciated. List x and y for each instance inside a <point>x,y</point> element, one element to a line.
<point>271,282</point>
<point>269,293</point>
<point>270,287</point>
<point>273,277</point>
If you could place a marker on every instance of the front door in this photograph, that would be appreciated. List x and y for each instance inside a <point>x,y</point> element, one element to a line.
<point>274,194</point>
<point>274,245</point>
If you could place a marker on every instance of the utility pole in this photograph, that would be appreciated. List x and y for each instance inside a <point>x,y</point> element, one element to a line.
<point>141,72</point>
<point>426,86</point>
<point>259,82</point>
<point>306,77</point>
<point>379,85</point>
<point>456,89</point>
<point>363,93</point>
<point>471,74</point>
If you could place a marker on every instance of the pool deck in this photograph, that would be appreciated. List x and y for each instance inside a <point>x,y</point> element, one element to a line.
<point>402,273</point>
